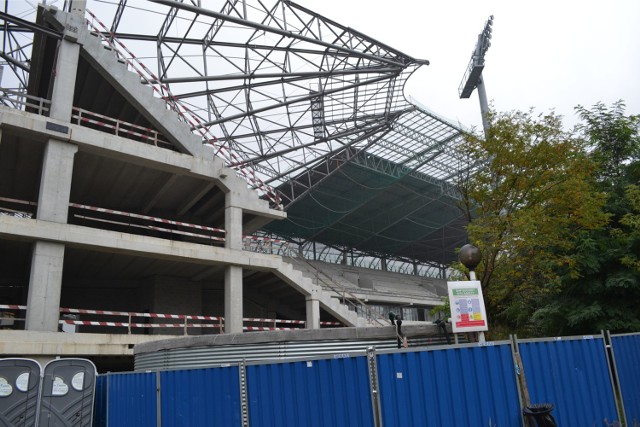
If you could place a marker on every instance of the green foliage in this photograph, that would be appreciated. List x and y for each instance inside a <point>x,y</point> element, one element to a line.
<point>631,220</point>
<point>442,311</point>
<point>602,290</point>
<point>557,217</point>
<point>534,193</point>
<point>613,138</point>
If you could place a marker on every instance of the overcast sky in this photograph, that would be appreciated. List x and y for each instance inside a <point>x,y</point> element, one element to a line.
<point>544,54</point>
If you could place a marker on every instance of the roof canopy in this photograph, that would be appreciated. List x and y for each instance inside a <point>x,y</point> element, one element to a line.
<point>309,111</point>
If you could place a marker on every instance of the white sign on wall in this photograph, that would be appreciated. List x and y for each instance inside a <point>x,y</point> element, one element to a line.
<point>467,307</point>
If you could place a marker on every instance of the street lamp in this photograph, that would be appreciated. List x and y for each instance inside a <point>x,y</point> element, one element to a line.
<point>473,75</point>
<point>470,256</point>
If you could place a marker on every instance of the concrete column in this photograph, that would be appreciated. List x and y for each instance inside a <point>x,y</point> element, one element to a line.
<point>45,282</point>
<point>45,286</point>
<point>55,181</point>
<point>313,310</point>
<point>233,313</point>
<point>233,227</point>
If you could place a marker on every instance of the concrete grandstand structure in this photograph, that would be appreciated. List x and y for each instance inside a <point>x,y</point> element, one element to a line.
<point>270,167</point>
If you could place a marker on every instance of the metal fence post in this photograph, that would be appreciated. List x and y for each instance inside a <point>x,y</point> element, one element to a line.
<point>108,398</point>
<point>374,386</point>
<point>521,379</point>
<point>244,395</point>
<point>613,374</point>
<point>158,400</point>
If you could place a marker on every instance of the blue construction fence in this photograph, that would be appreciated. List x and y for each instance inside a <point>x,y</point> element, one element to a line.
<point>482,384</point>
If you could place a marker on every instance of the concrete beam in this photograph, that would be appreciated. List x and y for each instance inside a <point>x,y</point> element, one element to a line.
<point>210,168</point>
<point>124,243</point>
<point>36,343</point>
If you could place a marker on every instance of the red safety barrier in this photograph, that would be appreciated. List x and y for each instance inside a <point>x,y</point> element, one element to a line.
<point>118,126</point>
<point>146,217</point>
<point>182,318</point>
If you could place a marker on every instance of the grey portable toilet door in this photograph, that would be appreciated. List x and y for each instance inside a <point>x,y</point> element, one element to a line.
<point>19,392</point>
<point>68,390</point>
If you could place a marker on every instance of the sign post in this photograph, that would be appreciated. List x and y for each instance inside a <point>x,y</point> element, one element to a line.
<point>465,298</point>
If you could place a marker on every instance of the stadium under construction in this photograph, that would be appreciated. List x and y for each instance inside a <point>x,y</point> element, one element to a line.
<point>168,169</point>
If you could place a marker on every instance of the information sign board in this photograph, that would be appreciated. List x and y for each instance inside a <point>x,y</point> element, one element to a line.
<point>467,307</point>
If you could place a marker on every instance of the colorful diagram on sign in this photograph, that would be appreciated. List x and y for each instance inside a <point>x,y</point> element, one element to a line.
<point>467,308</point>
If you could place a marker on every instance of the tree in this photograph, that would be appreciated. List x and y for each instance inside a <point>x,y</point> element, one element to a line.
<point>530,193</point>
<point>602,290</point>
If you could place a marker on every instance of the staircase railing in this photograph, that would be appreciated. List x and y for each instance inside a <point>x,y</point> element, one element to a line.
<point>347,298</point>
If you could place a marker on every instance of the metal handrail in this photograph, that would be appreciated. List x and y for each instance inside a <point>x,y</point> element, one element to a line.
<point>343,293</point>
<point>119,127</point>
<point>22,99</point>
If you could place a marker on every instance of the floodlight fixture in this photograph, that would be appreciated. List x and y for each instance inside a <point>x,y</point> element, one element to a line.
<point>473,75</point>
<point>476,64</point>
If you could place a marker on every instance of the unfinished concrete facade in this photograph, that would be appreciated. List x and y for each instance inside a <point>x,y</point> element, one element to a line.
<point>112,201</point>
<point>75,185</point>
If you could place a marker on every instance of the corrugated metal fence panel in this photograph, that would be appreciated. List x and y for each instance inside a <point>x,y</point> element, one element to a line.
<point>131,400</point>
<point>626,351</point>
<point>201,397</point>
<point>573,375</point>
<point>100,409</point>
<point>313,393</point>
<point>200,357</point>
<point>457,386</point>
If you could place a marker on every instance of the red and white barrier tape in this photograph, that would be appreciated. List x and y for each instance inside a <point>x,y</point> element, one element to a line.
<point>21,202</point>
<point>330,324</point>
<point>164,316</point>
<point>249,239</point>
<point>146,217</point>
<point>294,322</point>
<point>136,325</point>
<point>186,233</point>
<point>12,307</point>
<point>150,227</point>
<point>138,314</point>
<point>119,129</point>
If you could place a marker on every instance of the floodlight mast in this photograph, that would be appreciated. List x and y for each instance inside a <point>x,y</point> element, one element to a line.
<point>473,75</point>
